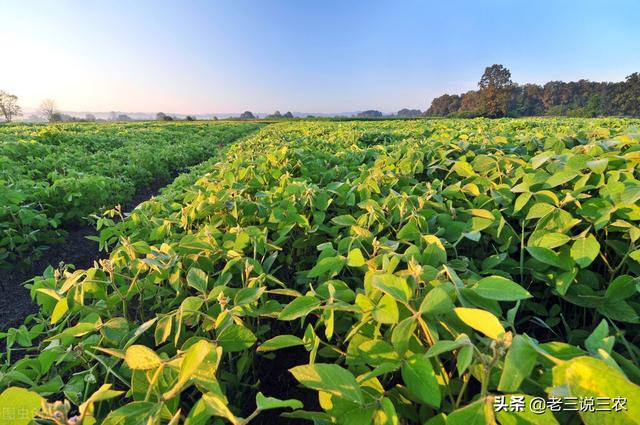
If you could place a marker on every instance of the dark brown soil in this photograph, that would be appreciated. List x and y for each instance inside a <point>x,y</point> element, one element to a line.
<point>277,381</point>
<point>76,249</point>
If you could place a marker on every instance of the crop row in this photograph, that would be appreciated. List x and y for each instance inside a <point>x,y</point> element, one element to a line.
<point>355,273</point>
<point>53,176</point>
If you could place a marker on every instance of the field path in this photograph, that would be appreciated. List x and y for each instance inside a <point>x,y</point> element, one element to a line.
<point>16,303</point>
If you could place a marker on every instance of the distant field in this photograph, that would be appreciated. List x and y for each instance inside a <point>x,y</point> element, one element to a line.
<point>388,272</point>
<point>57,175</point>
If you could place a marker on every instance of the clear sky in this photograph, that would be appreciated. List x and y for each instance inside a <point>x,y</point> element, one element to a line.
<point>300,55</point>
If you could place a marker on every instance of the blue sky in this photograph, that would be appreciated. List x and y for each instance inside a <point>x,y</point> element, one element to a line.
<point>308,56</point>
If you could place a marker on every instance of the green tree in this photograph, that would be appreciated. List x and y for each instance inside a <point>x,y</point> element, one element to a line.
<point>526,101</point>
<point>628,99</point>
<point>409,113</point>
<point>444,105</point>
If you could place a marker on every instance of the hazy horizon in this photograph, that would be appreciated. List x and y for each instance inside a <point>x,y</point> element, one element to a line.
<point>226,57</point>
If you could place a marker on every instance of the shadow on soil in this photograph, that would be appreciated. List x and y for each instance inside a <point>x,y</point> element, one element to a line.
<point>15,302</point>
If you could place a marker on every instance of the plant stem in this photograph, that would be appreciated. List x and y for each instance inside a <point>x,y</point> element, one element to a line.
<point>152,384</point>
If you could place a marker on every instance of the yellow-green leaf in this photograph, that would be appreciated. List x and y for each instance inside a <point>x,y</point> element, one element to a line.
<point>355,258</point>
<point>591,377</point>
<point>140,357</point>
<point>329,378</point>
<point>18,406</point>
<point>481,321</point>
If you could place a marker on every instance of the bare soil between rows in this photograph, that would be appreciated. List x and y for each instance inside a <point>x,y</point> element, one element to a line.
<point>76,249</point>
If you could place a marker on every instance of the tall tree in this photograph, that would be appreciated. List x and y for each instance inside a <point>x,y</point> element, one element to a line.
<point>495,90</point>
<point>9,107</point>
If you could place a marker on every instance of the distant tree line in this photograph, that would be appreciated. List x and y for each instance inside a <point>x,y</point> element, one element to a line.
<point>498,96</point>
<point>409,113</point>
<point>277,116</point>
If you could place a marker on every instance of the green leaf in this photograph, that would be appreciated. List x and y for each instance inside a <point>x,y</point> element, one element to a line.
<point>355,258</point>
<point>278,342</point>
<point>329,378</point>
<point>521,201</point>
<point>481,321</point>
<point>443,346</point>
<point>402,334</point>
<point>500,289</point>
<point>560,177</point>
<point>540,159</point>
<point>463,169</point>
<point>435,253</point>
<point>344,220</point>
<point>236,338</point>
<point>600,339</point>
<point>18,406</point>
<point>539,210</point>
<point>630,195</point>
<point>585,250</point>
<point>393,285</point>
<point>621,288</point>
<point>590,377</point>
<point>409,232</point>
<point>526,416</point>
<point>135,413</point>
<point>350,413</point>
<point>464,358</point>
<point>329,266</point>
<point>193,358</point>
<point>479,412</point>
<point>266,403</point>
<point>618,310</point>
<point>248,295</point>
<point>545,239</point>
<point>634,255</point>
<point>163,329</point>
<point>199,414</point>
<point>417,373</point>
<point>197,279</point>
<point>598,165</point>
<point>437,301</point>
<point>546,256</point>
<point>387,414</point>
<point>217,405</point>
<point>115,329</point>
<point>103,393</point>
<point>518,364</point>
<point>140,357</point>
<point>377,352</point>
<point>299,307</point>
<point>386,311</point>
